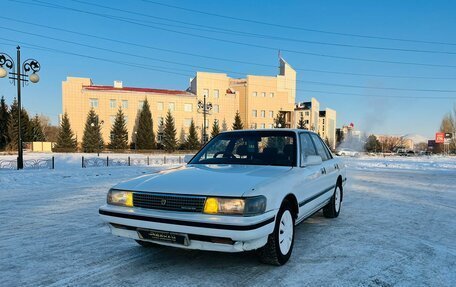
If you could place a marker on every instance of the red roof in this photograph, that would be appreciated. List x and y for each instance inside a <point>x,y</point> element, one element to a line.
<point>131,89</point>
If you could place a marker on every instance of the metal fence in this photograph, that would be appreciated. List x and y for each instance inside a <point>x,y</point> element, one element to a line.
<point>39,163</point>
<point>129,161</point>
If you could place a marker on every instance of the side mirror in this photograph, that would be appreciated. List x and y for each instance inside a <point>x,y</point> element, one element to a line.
<point>312,160</point>
<point>187,158</point>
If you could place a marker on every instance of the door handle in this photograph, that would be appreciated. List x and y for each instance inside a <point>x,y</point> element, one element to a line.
<point>323,170</point>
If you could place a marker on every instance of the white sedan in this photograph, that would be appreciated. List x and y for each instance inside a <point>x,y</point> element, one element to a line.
<point>347,152</point>
<point>244,190</point>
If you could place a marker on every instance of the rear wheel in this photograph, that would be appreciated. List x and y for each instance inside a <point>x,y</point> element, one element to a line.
<point>332,209</point>
<point>278,249</point>
<point>146,244</point>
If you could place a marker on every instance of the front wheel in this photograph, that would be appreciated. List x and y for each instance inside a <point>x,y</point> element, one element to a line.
<point>332,209</point>
<point>278,249</point>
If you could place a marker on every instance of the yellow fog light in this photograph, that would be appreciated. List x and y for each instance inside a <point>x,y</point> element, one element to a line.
<point>119,197</point>
<point>211,205</point>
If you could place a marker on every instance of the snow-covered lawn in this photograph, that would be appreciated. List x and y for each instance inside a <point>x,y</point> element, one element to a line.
<point>397,227</point>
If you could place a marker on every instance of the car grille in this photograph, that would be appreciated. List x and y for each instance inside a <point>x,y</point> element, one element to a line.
<point>169,202</point>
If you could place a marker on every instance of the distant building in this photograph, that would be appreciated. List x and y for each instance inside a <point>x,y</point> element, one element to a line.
<point>310,111</point>
<point>327,126</point>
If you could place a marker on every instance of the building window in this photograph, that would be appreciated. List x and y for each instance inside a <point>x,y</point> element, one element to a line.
<point>216,108</point>
<point>206,93</point>
<point>112,119</point>
<point>263,94</point>
<point>216,94</point>
<point>112,104</point>
<point>323,120</point>
<point>160,106</point>
<point>271,114</point>
<point>140,105</point>
<point>124,104</point>
<point>254,113</point>
<point>187,122</point>
<point>271,126</point>
<point>93,103</point>
<point>262,126</point>
<point>188,107</point>
<point>307,114</point>
<point>253,126</point>
<point>254,94</point>
<point>171,107</point>
<point>306,121</point>
<point>263,114</point>
<point>271,95</point>
<point>160,121</point>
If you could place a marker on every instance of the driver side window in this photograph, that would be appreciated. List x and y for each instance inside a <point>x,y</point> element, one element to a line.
<point>307,147</point>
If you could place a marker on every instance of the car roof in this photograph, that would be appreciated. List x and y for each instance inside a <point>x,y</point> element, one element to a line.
<point>271,130</point>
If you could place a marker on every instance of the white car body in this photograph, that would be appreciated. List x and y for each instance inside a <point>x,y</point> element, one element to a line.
<point>309,187</point>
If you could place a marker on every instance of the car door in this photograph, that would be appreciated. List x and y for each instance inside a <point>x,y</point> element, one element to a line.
<point>329,167</point>
<point>311,178</point>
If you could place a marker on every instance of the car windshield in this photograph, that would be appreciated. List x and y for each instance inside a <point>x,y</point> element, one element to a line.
<point>250,148</point>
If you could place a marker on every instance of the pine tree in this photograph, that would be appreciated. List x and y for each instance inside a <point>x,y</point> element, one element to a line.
<point>238,125</point>
<point>36,130</point>
<point>13,126</point>
<point>92,141</point>
<point>4,118</point>
<point>192,139</point>
<point>224,126</point>
<point>145,136</point>
<point>215,129</point>
<point>119,132</point>
<point>302,123</point>
<point>66,140</point>
<point>169,133</point>
<point>279,121</point>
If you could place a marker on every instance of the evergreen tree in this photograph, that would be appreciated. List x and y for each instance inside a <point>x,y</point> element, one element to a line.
<point>224,126</point>
<point>373,144</point>
<point>215,129</point>
<point>119,132</point>
<point>4,119</point>
<point>145,136</point>
<point>92,141</point>
<point>13,126</point>
<point>238,125</point>
<point>302,123</point>
<point>192,139</point>
<point>65,139</point>
<point>169,133</point>
<point>36,130</point>
<point>279,121</point>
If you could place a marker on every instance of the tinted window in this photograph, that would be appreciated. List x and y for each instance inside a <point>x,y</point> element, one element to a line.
<point>321,150</point>
<point>250,148</point>
<point>307,147</point>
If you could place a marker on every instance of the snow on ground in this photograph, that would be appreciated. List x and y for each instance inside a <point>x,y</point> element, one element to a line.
<point>397,227</point>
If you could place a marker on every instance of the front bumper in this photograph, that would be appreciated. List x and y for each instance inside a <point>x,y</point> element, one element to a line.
<point>246,233</point>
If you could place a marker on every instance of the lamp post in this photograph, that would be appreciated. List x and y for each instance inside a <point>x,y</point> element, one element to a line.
<point>19,76</point>
<point>204,108</point>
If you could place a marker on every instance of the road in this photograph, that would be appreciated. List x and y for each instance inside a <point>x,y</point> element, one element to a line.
<point>397,227</point>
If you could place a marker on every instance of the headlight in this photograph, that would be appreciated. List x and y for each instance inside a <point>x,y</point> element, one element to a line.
<point>235,206</point>
<point>119,197</point>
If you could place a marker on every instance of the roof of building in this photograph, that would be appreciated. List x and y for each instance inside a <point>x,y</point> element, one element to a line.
<point>140,90</point>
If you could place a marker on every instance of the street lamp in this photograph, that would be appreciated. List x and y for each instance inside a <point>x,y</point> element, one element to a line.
<point>19,77</point>
<point>204,108</point>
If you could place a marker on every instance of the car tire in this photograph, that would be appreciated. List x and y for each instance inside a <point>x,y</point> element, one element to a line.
<point>146,244</point>
<point>332,209</point>
<point>279,247</point>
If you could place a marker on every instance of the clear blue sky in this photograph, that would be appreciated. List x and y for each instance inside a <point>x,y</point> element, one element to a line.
<point>419,20</point>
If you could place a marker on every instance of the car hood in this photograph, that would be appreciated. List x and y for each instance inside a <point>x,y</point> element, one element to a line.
<point>210,180</point>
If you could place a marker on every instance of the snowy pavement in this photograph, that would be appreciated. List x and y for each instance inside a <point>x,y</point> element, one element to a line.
<point>397,227</point>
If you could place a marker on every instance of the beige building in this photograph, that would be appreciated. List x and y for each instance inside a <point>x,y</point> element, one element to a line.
<point>257,98</point>
<point>327,126</point>
<point>310,112</point>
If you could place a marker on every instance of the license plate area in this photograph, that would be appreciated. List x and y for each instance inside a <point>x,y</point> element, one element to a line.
<point>163,236</point>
